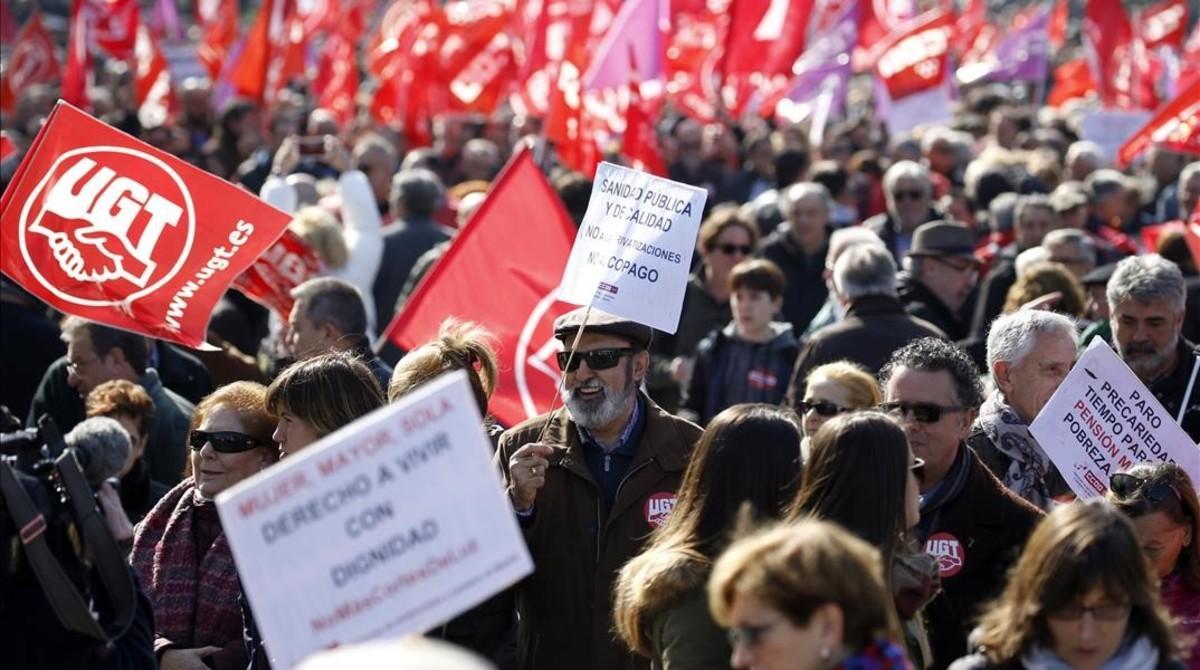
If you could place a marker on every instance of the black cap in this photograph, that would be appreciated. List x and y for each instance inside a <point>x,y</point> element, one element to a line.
<point>604,323</point>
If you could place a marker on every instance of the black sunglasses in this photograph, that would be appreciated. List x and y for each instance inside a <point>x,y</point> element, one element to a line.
<point>908,195</point>
<point>223,441</point>
<point>597,359</point>
<point>1127,487</point>
<point>925,412</point>
<point>823,407</point>
<point>918,469</point>
<point>731,249</point>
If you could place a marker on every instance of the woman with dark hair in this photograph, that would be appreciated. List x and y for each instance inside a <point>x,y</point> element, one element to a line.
<point>867,451</point>
<point>1081,596</point>
<point>805,596</point>
<point>1161,501</point>
<point>180,552</point>
<point>319,395</point>
<point>746,464</point>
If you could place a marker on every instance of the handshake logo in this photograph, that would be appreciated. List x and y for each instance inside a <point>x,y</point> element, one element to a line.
<point>111,218</point>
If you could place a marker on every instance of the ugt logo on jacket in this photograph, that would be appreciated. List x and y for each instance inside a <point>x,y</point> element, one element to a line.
<point>103,226</point>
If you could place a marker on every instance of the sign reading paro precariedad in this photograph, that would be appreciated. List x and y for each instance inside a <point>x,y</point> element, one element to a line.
<point>634,249</point>
<point>1102,420</point>
<point>390,526</point>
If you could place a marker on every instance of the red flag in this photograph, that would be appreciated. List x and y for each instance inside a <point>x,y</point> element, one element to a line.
<point>765,38</point>
<point>1058,23</point>
<point>568,125</point>
<point>968,26</point>
<point>481,84</point>
<point>519,306</point>
<point>113,25</point>
<point>31,61</point>
<point>1189,69</point>
<point>1192,235</point>
<point>220,31</point>
<point>282,267</point>
<point>336,83</point>
<point>1072,79</point>
<point>7,148</point>
<point>271,53</point>
<point>1108,38</point>
<point>694,51</point>
<point>640,142</point>
<point>101,225</point>
<point>1175,127</point>
<point>917,59</point>
<point>877,20</point>
<point>152,81</point>
<point>79,58</point>
<point>8,27</point>
<point>1164,24</point>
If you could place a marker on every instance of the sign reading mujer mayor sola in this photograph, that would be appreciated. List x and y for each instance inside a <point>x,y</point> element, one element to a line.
<point>104,226</point>
<point>1102,420</point>
<point>634,248</point>
<point>390,526</point>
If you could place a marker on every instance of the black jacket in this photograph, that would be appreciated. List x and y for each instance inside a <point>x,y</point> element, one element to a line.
<point>805,292</point>
<point>29,343</point>
<point>885,227</point>
<point>701,315</point>
<point>730,370</point>
<point>874,327</point>
<point>403,244</point>
<point>1171,389</point>
<point>922,303</point>
<point>986,525</point>
<point>993,291</point>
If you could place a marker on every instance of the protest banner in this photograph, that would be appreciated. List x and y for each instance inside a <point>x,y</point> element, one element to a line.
<point>1102,420</point>
<point>106,227</point>
<point>282,267</point>
<point>390,526</point>
<point>1110,128</point>
<point>634,248</point>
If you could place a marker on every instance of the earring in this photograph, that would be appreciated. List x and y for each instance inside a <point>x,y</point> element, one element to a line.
<point>825,653</point>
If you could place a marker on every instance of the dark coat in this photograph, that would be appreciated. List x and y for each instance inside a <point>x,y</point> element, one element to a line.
<point>993,291</point>
<point>805,292</point>
<point>577,546</point>
<point>403,243</point>
<point>998,462</point>
<point>874,327</point>
<point>701,315</point>
<point>988,525</point>
<point>730,370</point>
<point>884,226</point>
<point>180,371</point>
<point>1171,389</point>
<point>29,343</point>
<point>923,304</point>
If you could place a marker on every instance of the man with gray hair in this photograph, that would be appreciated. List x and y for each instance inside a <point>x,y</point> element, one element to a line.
<point>908,190</point>
<point>799,246</point>
<point>328,315</point>
<point>417,194</point>
<point>1146,301</point>
<point>875,325</point>
<point>1189,189</point>
<point>1029,353</point>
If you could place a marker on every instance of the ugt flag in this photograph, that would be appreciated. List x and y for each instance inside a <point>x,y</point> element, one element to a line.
<point>502,271</point>
<point>103,226</point>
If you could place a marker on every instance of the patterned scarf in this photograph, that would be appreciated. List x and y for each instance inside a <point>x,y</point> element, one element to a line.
<point>1026,475</point>
<point>880,655</point>
<point>172,569</point>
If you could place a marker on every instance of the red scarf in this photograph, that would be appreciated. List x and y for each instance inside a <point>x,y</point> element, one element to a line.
<point>171,568</point>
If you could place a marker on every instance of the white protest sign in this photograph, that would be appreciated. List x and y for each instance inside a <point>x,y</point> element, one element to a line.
<point>389,526</point>
<point>1102,420</point>
<point>1111,127</point>
<point>634,249</point>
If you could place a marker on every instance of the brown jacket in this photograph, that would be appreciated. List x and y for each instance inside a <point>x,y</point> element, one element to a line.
<point>577,546</point>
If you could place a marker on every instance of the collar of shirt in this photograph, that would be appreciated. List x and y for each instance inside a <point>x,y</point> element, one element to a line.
<point>624,444</point>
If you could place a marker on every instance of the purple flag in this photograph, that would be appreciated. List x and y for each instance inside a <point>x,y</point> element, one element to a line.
<point>822,72</point>
<point>634,31</point>
<point>164,21</point>
<point>1022,54</point>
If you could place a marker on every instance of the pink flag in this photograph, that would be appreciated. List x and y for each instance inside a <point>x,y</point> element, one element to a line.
<point>634,30</point>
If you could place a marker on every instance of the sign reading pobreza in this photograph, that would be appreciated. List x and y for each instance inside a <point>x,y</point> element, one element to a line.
<point>103,226</point>
<point>633,251</point>
<point>1102,420</point>
<point>389,526</point>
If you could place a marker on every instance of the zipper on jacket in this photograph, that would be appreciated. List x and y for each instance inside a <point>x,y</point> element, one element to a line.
<point>624,479</point>
<point>607,462</point>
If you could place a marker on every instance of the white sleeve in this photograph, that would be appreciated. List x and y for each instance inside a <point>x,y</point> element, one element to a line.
<point>278,193</point>
<point>362,228</point>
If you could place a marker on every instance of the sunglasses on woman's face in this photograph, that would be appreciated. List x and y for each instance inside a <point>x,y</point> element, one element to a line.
<point>1126,487</point>
<point>597,359</point>
<point>822,407</point>
<point>731,249</point>
<point>223,441</point>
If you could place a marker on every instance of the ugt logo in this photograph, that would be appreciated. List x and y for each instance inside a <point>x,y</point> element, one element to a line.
<point>118,224</point>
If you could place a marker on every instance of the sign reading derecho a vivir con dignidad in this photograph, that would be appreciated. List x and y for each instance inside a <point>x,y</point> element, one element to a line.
<point>390,526</point>
<point>633,252</point>
<point>1102,420</point>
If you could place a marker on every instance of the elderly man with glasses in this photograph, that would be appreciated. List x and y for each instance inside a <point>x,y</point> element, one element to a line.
<point>589,483</point>
<point>970,522</point>
<point>940,274</point>
<point>908,190</point>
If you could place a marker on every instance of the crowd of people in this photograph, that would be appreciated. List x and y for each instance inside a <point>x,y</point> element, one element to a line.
<point>841,421</point>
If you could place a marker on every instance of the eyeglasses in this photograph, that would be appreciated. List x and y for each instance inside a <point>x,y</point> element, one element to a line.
<point>223,441</point>
<point>1108,612</point>
<point>965,266</point>
<point>750,636</point>
<point>907,195</point>
<point>731,249</point>
<point>73,366</point>
<point>1126,487</point>
<point>925,412</point>
<point>823,407</point>
<point>597,359</point>
<point>918,469</point>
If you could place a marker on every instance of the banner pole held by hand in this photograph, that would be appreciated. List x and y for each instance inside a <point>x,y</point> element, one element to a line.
<point>562,381</point>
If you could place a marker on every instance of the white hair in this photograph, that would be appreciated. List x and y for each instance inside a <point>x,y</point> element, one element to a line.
<point>1013,336</point>
<point>1027,258</point>
<point>865,269</point>
<point>906,170</point>
<point>797,192</point>
<point>1087,150</point>
<point>1147,278</point>
<point>843,239</point>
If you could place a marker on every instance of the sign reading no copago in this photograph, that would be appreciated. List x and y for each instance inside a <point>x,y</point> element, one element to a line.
<point>390,526</point>
<point>1102,420</point>
<point>634,249</point>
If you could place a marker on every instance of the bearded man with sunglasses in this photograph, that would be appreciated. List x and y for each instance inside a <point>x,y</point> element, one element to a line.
<point>970,522</point>
<point>589,482</point>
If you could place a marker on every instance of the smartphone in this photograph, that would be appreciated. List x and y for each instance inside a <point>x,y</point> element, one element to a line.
<point>312,145</point>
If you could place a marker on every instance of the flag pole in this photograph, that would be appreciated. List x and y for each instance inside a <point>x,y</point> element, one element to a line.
<point>562,381</point>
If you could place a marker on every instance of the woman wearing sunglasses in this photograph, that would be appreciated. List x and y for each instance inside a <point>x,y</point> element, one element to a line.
<point>805,596</point>
<point>832,389</point>
<point>867,451</point>
<point>1161,501</point>
<point>1081,596</point>
<point>179,550</point>
<point>746,462</point>
<point>319,395</point>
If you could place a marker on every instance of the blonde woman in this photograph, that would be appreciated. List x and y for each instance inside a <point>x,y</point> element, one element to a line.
<point>833,389</point>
